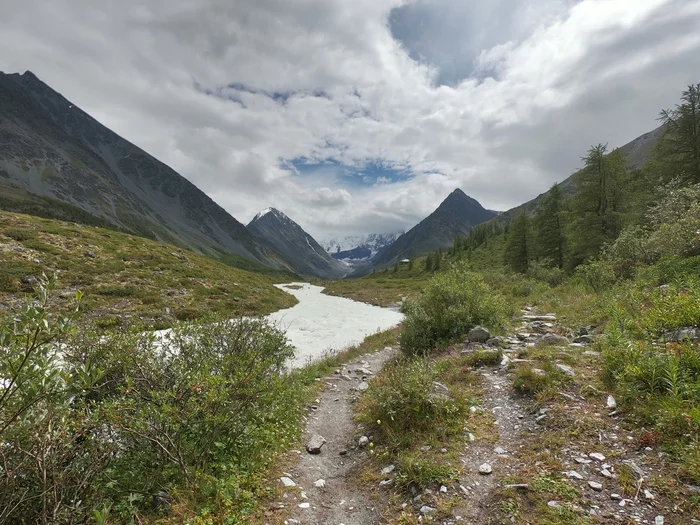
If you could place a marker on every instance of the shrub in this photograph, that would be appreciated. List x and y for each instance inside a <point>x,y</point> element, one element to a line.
<point>530,382</point>
<point>404,402</point>
<point>598,275</point>
<point>551,275</point>
<point>451,304</point>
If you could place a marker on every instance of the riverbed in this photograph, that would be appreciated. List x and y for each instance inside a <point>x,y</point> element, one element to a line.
<point>321,323</point>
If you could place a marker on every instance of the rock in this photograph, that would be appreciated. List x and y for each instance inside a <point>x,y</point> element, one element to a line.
<point>304,505</point>
<point>363,386</point>
<point>615,497</point>
<point>584,339</point>
<point>500,451</point>
<point>611,403</point>
<point>565,369</point>
<point>29,279</point>
<point>597,456</point>
<point>386,482</point>
<point>659,520</point>
<point>161,501</point>
<point>443,451</point>
<point>363,441</point>
<point>425,509</point>
<point>606,473</point>
<point>582,461</point>
<point>320,483</point>
<point>686,333</point>
<point>497,342</point>
<point>425,448</point>
<point>388,469</point>
<point>443,489</point>
<point>440,386</point>
<point>574,474</point>
<point>314,445</point>
<point>287,482</point>
<point>479,334</point>
<point>648,494</point>
<point>595,486</point>
<point>342,452</point>
<point>485,469</point>
<point>553,340</point>
<point>292,521</point>
<point>553,504</point>
<point>90,255</point>
<point>539,372</point>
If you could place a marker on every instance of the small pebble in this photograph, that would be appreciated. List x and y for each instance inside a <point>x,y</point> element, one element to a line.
<point>595,485</point>
<point>485,469</point>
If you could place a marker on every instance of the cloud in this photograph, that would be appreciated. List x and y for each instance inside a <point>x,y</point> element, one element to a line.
<point>358,117</point>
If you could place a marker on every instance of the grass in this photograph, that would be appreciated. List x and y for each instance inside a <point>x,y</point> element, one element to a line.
<point>127,277</point>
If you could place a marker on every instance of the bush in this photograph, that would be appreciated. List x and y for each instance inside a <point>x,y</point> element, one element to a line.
<point>529,382</point>
<point>551,275</point>
<point>404,402</point>
<point>599,275</point>
<point>451,304</point>
<point>118,417</point>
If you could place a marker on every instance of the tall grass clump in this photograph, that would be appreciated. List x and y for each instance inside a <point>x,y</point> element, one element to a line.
<point>451,304</point>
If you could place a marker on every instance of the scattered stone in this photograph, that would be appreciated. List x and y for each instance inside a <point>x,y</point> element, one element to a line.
<point>553,504</point>
<point>648,495</point>
<point>29,279</point>
<point>386,482</point>
<point>292,521</point>
<point>425,509</point>
<point>553,340</point>
<point>574,474</point>
<point>615,497</point>
<point>287,482</point>
<point>363,386</point>
<point>320,483</point>
<point>485,469</point>
<point>443,451</point>
<point>479,334</point>
<point>342,452</point>
<point>686,333</point>
<point>521,486</point>
<point>314,445</point>
<point>90,255</point>
<point>388,469</point>
<point>363,441</point>
<point>595,486</point>
<point>565,369</point>
<point>659,520</point>
<point>597,456</point>
<point>539,372</point>
<point>443,489</point>
<point>426,448</point>
<point>500,451</point>
<point>497,342</point>
<point>611,403</point>
<point>304,505</point>
<point>584,339</point>
<point>606,473</point>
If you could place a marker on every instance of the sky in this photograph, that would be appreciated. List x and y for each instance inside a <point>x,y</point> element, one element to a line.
<point>361,116</point>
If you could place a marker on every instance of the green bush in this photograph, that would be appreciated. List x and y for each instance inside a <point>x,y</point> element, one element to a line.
<point>405,402</point>
<point>451,304</point>
<point>599,275</point>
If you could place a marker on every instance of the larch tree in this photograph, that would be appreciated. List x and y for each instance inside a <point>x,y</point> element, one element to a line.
<point>549,226</point>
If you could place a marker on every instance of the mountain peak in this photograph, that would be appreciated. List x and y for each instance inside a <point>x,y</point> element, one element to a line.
<point>271,212</point>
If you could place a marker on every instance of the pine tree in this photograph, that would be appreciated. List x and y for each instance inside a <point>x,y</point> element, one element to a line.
<point>410,263</point>
<point>680,147</point>
<point>436,260</point>
<point>517,249</point>
<point>396,267</point>
<point>595,208</point>
<point>549,226</point>
<point>429,263</point>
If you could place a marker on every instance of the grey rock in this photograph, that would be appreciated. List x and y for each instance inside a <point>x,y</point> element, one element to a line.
<point>479,334</point>
<point>363,386</point>
<point>498,342</point>
<point>565,369</point>
<point>29,279</point>
<point>500,451</point>
<point>611,403</point>
<point>314,445</point>
<point>574,474</point>
<point>553,504</point>
<point>386,482</point>
<point>595,486</point>
<point>539,372</point>
<point>686,333</point>
<point>585,339</point>
<point>287,482</point>
<point>320,483</point>
<point>485,469</point>
<point>659,520</point>
<point>90,255</point>
<point>388,469</point>
<point>161,501</point>
<point>553,340</point>
<point>363,441</point>
<point>597,456</point>
<point>425,509</point>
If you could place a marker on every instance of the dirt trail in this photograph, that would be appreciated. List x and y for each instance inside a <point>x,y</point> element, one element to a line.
<point>511,421</point>
<point>341,500</point>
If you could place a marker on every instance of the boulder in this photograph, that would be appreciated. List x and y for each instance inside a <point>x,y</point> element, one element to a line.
<point>553,340</point>
<point>686,333</point>
<point>315,443</point>
<point>479,334</point>
<point>498,342</point>
<point>565,369</point>
<point>585,339</point>
<point>29,279</point>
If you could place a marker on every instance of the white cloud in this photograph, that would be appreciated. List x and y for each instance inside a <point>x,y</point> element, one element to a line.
<point>227,93</point>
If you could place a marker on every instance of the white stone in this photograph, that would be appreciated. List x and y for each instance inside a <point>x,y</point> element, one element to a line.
<point>595,485</point>
<point>611,403</point>
<point>388,469</point>
<point>574,474</point>
<point>485,469</point>
<point>287,482</point>
<point>659,520</point>
<point>304,505</point>
<point>597,456</point>
<point>320,483</point>
<point>363,441</point>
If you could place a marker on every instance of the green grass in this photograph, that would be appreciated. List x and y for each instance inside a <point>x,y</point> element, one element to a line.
<point>131,277</point>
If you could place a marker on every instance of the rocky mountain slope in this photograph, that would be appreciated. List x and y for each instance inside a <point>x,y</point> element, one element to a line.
<point>301,253</point>
<point>358,247</point>
<point>52,149</point>
<point>457,214</point>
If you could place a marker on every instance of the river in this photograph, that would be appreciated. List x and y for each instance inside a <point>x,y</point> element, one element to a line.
<point>322,323</point>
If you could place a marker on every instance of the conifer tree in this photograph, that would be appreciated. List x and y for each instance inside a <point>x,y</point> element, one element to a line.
<point>549,226</point>
<point>436,261</point>
<point>680,147</point>
<point>396,267</point>
<point>595,208</point>
<point>429,263</point>
<point>517,250</point>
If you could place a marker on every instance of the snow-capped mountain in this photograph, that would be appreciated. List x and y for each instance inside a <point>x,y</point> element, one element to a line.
<point>358,247</point>
<point>297,249</point>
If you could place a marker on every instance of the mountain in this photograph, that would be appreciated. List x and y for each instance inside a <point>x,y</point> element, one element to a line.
<point>58,160</point>
<point>358,247</point>
<point>298,249</point>
<point>457,214</point>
